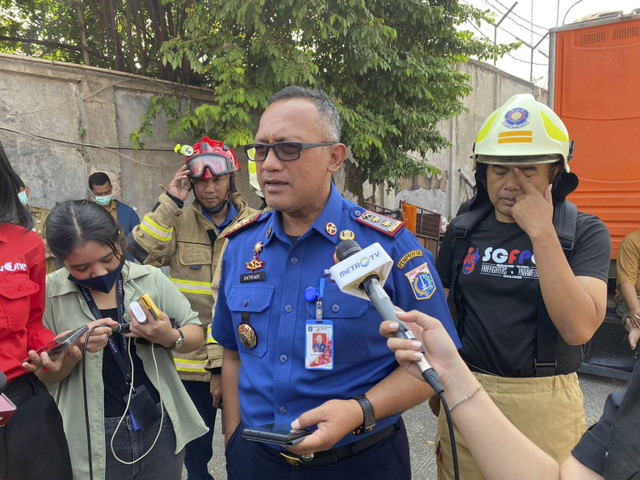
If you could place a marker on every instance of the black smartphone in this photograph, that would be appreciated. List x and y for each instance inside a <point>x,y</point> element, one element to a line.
<point>60,343</point>
<point>275,433</point>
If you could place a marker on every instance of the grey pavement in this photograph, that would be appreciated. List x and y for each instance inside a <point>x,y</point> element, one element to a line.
<point>421,428</point>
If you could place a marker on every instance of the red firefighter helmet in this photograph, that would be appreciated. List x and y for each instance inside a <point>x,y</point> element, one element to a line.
<point>209,158</point>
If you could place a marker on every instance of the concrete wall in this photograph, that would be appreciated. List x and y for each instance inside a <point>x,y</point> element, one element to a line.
<point>445,192</point>
<point>60,122</point>
<point>49,110</point>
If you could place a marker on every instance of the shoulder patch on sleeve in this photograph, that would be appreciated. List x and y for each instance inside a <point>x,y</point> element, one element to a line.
<point>382,223</point>
<point>408,256</point>
<point>421,282</point>
<point>243,224</point>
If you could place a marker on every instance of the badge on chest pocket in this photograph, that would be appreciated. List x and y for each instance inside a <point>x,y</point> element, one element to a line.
<point>319,345</point>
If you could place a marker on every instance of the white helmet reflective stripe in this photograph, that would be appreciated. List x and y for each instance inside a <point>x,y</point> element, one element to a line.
<point>253,177</point>
<point>523,131</point>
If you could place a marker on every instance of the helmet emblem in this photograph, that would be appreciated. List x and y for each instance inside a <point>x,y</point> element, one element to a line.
<point>516,118</point>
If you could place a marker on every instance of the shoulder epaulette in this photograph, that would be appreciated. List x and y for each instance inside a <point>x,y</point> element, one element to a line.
<point>243,224</point>
<point>387,225</point>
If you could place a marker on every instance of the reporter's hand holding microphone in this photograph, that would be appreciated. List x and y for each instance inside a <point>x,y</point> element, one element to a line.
<point>438,348</point>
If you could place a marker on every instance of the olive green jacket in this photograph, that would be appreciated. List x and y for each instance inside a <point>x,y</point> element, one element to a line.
<point>65,310</point>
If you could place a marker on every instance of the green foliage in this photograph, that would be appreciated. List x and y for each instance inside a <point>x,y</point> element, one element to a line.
<point>389,64</point>
<point>123,35</point>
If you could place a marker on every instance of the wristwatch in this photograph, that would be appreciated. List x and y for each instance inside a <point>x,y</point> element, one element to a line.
<point>369,422</point>
<point>179,341</point>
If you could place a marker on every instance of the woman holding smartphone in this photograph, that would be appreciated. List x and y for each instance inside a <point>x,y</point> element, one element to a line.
<point>32,441</point>
<point>139,415</point>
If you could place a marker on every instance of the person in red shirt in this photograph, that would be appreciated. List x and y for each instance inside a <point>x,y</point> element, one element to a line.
<point>32,442</point>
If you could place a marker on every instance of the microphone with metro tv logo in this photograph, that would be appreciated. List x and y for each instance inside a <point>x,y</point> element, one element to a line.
<point>362,273</point>
<point>7,408</point>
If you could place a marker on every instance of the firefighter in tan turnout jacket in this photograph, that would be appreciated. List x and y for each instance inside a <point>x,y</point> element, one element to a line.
<point>183,238</point>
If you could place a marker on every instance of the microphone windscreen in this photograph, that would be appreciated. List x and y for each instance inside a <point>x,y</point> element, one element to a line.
<point>346,248</point>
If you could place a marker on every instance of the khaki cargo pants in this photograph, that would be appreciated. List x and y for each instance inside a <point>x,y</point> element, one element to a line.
<point>548,410</point>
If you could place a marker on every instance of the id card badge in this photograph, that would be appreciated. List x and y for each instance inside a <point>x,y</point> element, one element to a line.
<point>319,345</point>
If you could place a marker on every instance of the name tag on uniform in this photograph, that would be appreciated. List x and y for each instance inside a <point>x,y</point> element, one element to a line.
<point>319,345</point>
<point>253,277</point>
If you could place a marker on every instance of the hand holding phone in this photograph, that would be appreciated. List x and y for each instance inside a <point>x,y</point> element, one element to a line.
<point>60,342</point>
<point>276,434</point>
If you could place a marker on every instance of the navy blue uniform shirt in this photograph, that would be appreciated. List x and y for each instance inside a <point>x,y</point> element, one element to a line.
<point>274,385</point>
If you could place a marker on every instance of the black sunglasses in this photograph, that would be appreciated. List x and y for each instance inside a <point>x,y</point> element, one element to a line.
<point>285,151</point>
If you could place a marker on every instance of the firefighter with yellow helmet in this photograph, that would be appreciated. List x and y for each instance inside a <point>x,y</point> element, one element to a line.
<point>526,277</point>
<point>253,177</point>
<point>185,237</point>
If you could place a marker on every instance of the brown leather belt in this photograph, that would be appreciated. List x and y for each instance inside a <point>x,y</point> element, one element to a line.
<point>335,454</point>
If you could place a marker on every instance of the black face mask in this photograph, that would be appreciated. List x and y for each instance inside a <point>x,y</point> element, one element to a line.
<point>103,283</point>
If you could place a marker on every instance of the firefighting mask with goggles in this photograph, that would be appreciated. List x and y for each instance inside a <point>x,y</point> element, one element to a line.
<point>209,159</point>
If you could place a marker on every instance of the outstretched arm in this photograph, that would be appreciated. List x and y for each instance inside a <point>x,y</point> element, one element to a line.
<point>499,448</point>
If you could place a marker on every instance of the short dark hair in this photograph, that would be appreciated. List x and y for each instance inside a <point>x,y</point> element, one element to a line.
<point>75,222</point>
<point>328,115</point>
<point>98,178</point>
<point>11,209</point>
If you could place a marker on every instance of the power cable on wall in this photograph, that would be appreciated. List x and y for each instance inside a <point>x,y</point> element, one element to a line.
<point>113,150</point>
<point>129,77</point>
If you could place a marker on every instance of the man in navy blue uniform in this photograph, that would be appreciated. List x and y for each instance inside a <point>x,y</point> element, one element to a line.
<point>276,295</point>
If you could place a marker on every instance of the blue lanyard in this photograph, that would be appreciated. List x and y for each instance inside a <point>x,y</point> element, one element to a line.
<point>319,300</point>
<point>118,355</point>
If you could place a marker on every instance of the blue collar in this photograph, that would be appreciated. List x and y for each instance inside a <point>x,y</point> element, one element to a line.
<point>331,214</point>
<point>231,214</point>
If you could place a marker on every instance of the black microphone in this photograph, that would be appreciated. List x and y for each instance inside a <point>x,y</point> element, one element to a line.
<point>371,286</point>
<point>7,408</point>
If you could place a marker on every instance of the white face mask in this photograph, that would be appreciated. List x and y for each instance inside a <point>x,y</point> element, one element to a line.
<point>22,196</point>
<point>103,201</point>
